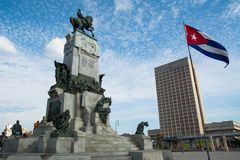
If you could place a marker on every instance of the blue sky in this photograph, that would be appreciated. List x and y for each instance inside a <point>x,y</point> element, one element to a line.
<point>134,37</point>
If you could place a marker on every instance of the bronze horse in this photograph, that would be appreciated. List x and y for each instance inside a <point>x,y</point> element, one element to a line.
<point>82,22</point>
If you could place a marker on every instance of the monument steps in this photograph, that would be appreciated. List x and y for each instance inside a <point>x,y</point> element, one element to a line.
<point>111,158</point>
<point>32,148</point>
<point>65,156</point>
<point>114,153</point>
<point>101,143</point>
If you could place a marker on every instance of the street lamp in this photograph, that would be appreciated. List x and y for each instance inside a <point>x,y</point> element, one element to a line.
<point>116,125</point>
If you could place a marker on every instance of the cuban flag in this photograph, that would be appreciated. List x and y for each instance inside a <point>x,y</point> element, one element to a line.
<point>205,44</point>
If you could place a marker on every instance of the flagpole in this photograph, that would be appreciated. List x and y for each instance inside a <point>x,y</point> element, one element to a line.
<point>199,102</point>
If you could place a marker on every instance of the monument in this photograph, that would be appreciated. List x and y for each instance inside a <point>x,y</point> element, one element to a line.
<point>77,112</point>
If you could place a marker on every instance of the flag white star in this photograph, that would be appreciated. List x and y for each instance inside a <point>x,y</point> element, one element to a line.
<point>194,37</point>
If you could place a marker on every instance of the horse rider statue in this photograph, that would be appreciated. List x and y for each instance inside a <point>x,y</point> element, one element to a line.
<point>82,22</point>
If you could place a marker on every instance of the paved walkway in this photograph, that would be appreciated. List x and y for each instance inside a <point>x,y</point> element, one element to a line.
<point>203,155</point>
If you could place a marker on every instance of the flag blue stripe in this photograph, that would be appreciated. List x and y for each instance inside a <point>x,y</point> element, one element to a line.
<point>210,54</point>
<point>215,44</point>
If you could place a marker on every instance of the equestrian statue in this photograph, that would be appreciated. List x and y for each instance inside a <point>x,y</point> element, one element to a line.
<point>82,23</point>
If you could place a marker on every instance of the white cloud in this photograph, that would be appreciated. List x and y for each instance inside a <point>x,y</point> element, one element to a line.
<point>54,49</point>
<point>233,10</point>
<point>139,16</point>
<point>155,21</point>
<point>123,5</point>
<point>135,113</point>
<point>6,46</point>
<point>175,11</point>
<point>25,81</point>
<point>130,79</point>
<point>198,2</point>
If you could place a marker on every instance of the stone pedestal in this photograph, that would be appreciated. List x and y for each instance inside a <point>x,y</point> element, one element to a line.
<point>60,145</point>
<point>100,128</point>
<point>66,145</point>
<point>82,110</point>
<point>79,143</point>
<point>60,101</point>
<point>81,54</point>
<point>88,104</point>
<point>21,145</point>
<point>143,142</point>
<point>42,144</point>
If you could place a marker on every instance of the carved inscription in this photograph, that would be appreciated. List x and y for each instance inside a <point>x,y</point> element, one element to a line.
<point>84,61</point>
<point>88,46</point>
<point>87,62</point>
<point>91,63</point>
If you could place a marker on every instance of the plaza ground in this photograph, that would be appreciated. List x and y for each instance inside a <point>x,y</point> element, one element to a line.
<point>203,155</point>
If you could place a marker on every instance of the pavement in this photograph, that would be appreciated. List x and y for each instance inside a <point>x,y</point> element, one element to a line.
<point>218,155</point>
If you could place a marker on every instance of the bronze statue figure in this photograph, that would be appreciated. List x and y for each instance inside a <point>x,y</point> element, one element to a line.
<point>82,22</point>
<point>140,127</point>
<point>100,79</point>
<point>103,112</point>
<point>57,71</point>
<point>17,129</point>
<point>61,74</point>
<point>61,122</point>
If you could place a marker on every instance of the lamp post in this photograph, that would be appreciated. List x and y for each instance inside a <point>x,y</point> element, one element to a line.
<point>116,125</point>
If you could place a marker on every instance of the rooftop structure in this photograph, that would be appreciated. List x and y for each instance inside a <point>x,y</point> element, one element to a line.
<point>223,127</point>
